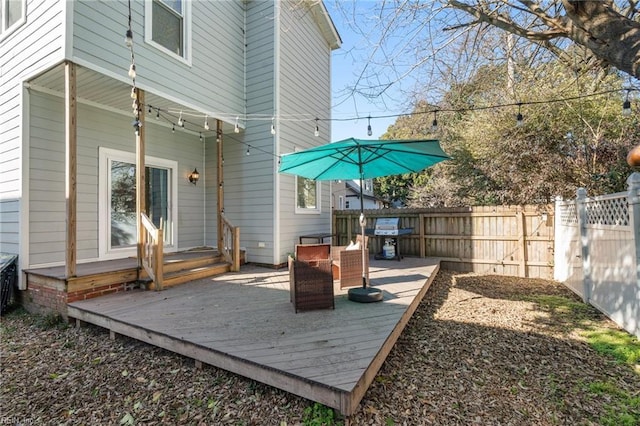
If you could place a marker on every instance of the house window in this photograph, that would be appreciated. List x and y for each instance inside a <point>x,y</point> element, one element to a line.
<point>307,195</point>
<point>12,14</point>
<point>118,201</point>
<point>168,26</point>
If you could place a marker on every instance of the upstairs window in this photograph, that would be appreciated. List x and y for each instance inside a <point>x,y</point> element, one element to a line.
<point>168,25</point>
<point>12,15</point>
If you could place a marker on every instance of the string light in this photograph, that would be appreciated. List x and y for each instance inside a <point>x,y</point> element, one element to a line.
<point>248,147</point>
<point>369,131</point>
<point>519,117</point>
<point>626,106</point>
<point>434,125</point>
<point>200,136</point>
<point>132,71</point>
<point>128,37</point>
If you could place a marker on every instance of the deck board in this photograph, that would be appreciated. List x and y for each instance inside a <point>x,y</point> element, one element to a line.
<point>244,322</point>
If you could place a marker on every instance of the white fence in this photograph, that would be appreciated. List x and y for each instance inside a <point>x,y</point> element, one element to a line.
<point>597,252</point>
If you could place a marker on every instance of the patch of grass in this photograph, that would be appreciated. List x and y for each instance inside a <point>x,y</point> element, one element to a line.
<point>565,309</point>
<point>319,415</point>
<point>575,315</point>
<point>618,344</point>
<point>622,409</point>
<point>51,321</point>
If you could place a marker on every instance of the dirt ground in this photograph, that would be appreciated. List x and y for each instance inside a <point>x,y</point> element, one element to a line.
<point>480,350</point>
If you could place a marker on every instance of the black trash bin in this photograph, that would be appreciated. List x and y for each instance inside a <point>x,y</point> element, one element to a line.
<point>8,280</point>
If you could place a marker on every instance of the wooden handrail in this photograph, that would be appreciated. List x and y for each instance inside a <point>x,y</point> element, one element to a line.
<point>152,250</point>
<point>230,244</point>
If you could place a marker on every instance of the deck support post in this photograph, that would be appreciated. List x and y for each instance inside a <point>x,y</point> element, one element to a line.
<point>71,167</point>
<point>140,175</point>
<point>220,200</point>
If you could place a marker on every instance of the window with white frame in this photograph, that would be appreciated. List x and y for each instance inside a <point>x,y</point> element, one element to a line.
<point>307,195</point>
<point>12,14</point>
<point>168,26</point>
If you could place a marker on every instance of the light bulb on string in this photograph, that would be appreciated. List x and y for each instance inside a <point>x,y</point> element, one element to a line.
<point>434,123</point>
<point>316,132</point>
<point>200,136</point>
<point>369,131</point>
<point>236,128</point>
<point>626,106</point>
<point>248,147</point>
<point>134,93</point>
<point>206,122</point>
<point>519,117</point>
<point>273,126</point>
<point>173,128</point>
<point>128,38</point>
<point>180,120</point>
<point>132,71</point>
<point>158,114</point>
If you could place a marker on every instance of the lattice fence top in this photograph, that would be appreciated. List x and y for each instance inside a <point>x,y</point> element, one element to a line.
<point>567,213</point>
<point>608,211</point>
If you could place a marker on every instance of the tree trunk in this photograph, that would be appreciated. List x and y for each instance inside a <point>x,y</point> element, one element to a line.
<point>611,37</point>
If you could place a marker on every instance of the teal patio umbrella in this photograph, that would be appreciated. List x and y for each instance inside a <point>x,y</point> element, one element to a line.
<point>351,159</point>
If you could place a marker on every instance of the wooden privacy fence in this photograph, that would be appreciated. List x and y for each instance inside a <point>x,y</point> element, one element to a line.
<point>502,240</point>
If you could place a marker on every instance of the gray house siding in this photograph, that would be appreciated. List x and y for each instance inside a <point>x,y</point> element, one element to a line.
<point>212,82</point>
<point>97,128</point>
<point>248,59</point>
<point>249,199</point>
<point>304,89</point>
<point>29,49</point>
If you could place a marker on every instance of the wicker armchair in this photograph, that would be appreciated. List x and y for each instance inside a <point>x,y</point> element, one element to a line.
<point>310,277</point>
<point>347,264</point>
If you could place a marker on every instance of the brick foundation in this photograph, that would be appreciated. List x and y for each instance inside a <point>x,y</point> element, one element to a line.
<point>49,296</point>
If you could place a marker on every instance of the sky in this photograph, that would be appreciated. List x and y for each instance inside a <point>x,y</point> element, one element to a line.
<point>344,73</point>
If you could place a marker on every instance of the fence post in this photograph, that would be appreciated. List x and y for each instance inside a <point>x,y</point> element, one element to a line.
<point>559,256</point>
<point>633,184</point>
<point>581,210</point>
<point>421,233</point>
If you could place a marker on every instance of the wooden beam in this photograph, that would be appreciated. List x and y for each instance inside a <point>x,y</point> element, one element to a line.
<point>140,175</point>
<point>220,173</point>
<point>71,167</point>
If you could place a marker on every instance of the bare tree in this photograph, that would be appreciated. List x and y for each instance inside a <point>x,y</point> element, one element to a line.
<point>606,29</point>
<point>413,45</point>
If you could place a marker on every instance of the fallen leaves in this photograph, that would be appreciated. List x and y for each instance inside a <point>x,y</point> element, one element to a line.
<point>479,350</point>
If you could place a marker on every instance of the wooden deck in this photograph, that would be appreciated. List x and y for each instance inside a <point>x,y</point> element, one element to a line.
<point>243,322</point>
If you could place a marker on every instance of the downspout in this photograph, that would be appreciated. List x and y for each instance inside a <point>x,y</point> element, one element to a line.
<point>276,149</point>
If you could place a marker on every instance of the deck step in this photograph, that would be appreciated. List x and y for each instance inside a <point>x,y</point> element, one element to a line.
<point>195,273</point>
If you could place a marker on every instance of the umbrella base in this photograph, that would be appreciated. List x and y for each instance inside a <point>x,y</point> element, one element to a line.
<point>365,295</point>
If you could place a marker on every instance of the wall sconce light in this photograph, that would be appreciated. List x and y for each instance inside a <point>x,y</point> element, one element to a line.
<point>194,176</point>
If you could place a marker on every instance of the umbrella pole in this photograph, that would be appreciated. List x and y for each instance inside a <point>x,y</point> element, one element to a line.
<point>363,223</point>
<point>364,294</point>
